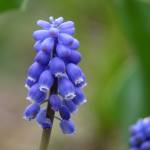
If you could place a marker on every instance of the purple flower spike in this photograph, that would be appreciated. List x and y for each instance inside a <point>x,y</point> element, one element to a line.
<point>42,120</point>
<point>35,94</point>
<point>34,71</point>
<point>47,45</point>
<point>42,58</point>
<point>46,81</point>
<point>44,24</point>
<point>31,111</point>
<point>64,112</point>
<point>66,39</point>
<point>55,79</point>
<point>74,73</point>
<point>55,102</point>
<point>57,67</point>
<point>67,127</point>
<point>66,88</point>
<point>40,34</point>
<point>139,139</point>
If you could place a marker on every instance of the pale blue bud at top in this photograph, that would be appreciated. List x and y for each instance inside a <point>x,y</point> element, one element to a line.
<point>44,24</point>
<point>75,44</point>
<point>58,21</point>
<point>47,45</point>
<point>46,81</point>
<point>63,52</point>
<point>42,120</point>
<point>40,34</point>
<point>66,25</point>
<point>80,97</point>
<point>67,127</point>
<point>75,57</point>
<point>66,88</point>
<point>29,83</point>
<point>74,73</point>
<point>31,111</point>
<point>55,102</point>
<point>64,112</point>
<point>37,46</point>
<point>34,94</point>
<point>66,39</point>
<point>53,32</point>
<point>42,58</point>
<point>71,106</point>
<point>57,67</point>
<point>34,71</point>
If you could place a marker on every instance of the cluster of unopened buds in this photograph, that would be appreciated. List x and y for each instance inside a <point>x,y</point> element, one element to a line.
<point>140,135</point>
<point>55,77</point>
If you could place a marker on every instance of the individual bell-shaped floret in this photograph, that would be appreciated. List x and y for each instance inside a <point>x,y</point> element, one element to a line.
<point>31,111</point>
<point>44,24</point>
<point>40,34</point>
<point>67,126</point>
<point>75,44</point>
<point>74,57</point>
<point>29,83</point>
<point>42,58</point>
<point>55,102</point>
<point>35,94</point>
<point>64,112</point>
<point>46,81</point>
<point>66,88</point>
<point>80,97</point>
<point>57,67</point>
<point>47,45</point>
<point>34,71</point>
<point>83,83</point>
<point>37,46</point>
<point>71,106</point>
<point>42,120</point>
<point>66,39</point>
<point>63,52</point>
<point>74,73</point>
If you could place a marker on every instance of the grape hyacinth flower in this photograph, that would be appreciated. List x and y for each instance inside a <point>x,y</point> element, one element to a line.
<point>54,77</point>
<point>140,135</point>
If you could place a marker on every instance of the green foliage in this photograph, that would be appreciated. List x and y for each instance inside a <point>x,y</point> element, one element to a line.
<point>6,5</point>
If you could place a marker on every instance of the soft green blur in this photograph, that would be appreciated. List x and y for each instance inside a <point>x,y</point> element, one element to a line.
<point>115,43</point>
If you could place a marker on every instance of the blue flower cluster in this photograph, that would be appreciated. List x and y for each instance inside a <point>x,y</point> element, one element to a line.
<point>56,60</point>
<point>140,135</point>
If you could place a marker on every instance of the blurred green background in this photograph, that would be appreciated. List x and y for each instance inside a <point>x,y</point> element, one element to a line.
<point>115,43</point>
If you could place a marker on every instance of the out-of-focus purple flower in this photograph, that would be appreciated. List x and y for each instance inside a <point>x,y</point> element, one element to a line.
<point>139,139</point>
<point>44,24</point>
<point>71,106</point>
<point>65,39</point>
<point>64,112</point>
<point>40,34</point>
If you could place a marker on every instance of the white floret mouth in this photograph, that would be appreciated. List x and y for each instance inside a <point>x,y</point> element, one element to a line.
<point>27,86</point>
<point>59,74</point>
<point>79,81</point>
<point>83,102</point>
<point>31,78</point>
<point>44,88</point>
<point>29,99</point>
<point>69,96</point>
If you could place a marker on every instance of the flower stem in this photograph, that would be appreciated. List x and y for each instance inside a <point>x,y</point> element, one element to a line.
<point>46,134</point>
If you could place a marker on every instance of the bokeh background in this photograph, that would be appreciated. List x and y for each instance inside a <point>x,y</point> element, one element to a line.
<point>115,43</point>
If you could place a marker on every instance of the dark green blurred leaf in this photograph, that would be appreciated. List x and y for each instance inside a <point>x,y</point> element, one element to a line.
<point>6,5</point>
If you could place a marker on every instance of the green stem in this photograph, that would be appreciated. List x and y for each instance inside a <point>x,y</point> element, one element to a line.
<point>50,114</point>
